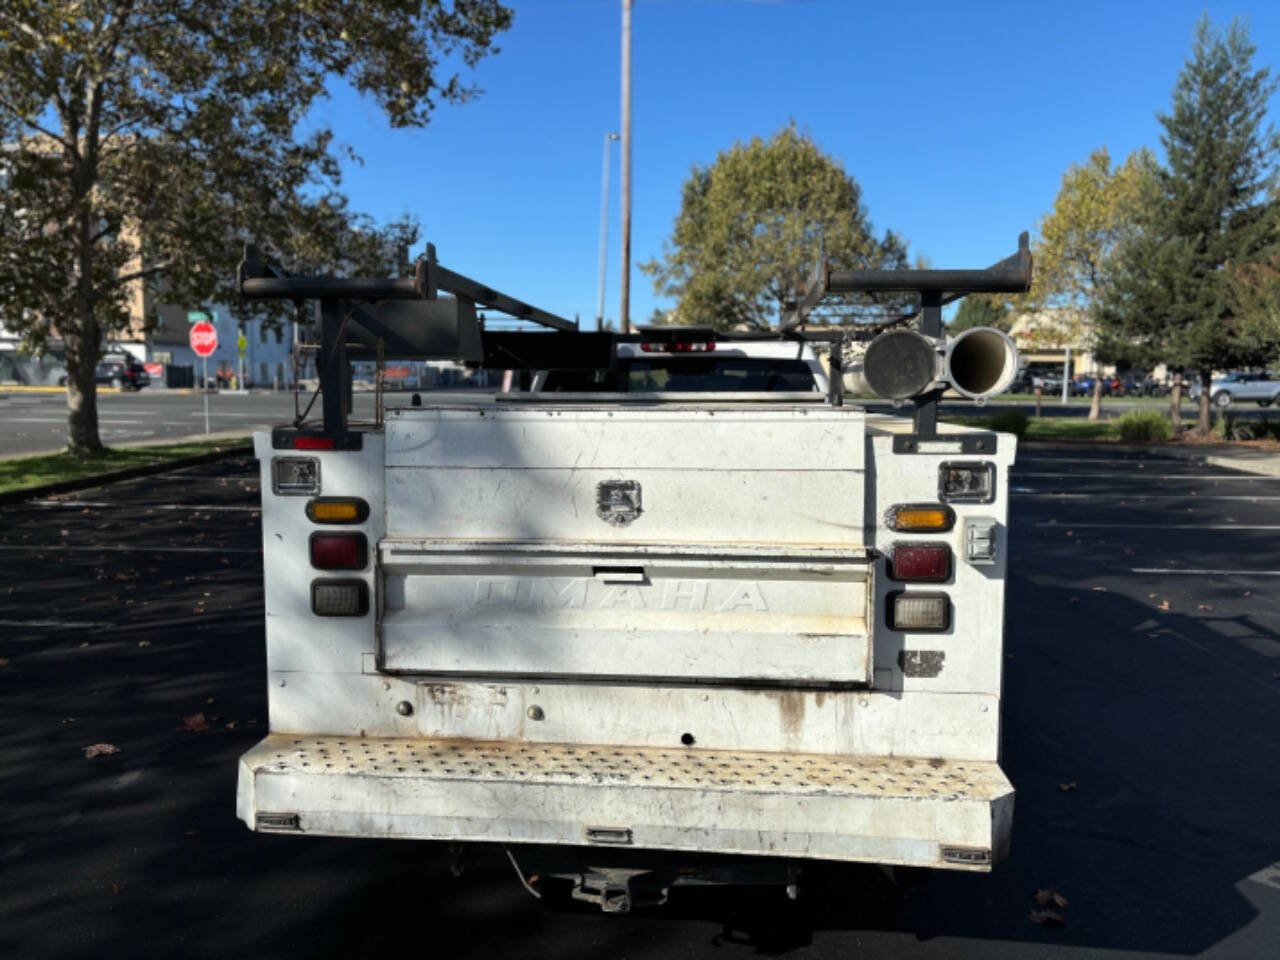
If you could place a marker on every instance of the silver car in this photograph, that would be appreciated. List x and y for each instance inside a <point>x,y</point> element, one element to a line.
<point>1262,387</point>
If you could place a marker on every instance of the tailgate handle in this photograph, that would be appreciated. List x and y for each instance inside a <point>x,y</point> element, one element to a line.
<point>619,574</point>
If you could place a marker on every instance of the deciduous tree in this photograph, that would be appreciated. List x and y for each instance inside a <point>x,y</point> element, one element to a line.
<point>1096,209</point>
<point>753,223</point>
<point>980,310</point>
<point>141,138</point>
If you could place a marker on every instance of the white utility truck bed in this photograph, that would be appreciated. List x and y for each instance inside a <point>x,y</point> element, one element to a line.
<point>626,628</point>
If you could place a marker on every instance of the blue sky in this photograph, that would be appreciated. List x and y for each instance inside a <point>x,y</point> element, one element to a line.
<point>956,119</point>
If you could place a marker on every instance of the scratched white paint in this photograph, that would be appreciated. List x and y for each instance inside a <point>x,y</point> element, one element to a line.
<point>750,581</point>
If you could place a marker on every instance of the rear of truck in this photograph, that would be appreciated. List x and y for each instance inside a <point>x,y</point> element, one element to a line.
<point>770,630</point>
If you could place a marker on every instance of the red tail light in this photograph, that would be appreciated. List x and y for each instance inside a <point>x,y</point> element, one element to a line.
<point>313,443</point>
<point>339,551</point>
<point>920,562</point>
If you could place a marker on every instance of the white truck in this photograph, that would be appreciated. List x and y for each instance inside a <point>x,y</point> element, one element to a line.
<point>628,633</point>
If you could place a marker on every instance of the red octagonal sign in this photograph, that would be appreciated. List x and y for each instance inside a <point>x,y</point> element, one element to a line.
<point>204,339</point>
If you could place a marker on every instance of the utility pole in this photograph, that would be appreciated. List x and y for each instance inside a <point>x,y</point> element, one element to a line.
<point>604,229</point>
<point>624,312</point>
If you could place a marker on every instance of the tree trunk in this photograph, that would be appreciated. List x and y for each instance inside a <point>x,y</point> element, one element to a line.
<point>82,389</point>
<point>1095,406</point>
<point>1175,405</point>
<point>1206,382</point>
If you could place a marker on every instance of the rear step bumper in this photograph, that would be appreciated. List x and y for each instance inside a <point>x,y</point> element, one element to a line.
<point>953,814</point>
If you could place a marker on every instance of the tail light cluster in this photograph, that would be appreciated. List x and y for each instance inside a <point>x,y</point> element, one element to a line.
<point>333,550</point>
<point>920,561</point>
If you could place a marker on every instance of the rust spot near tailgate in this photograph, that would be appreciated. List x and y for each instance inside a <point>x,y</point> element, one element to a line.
<point>921,663</point>
<point>791,711</point>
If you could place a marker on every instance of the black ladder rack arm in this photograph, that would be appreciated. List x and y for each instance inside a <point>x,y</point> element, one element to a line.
<point>259,281</point>
<point>1010,275</point>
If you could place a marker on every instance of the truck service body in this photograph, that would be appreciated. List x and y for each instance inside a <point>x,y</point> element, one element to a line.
<point>621,630</point>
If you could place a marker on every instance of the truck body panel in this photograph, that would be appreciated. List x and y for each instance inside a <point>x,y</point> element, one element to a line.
<point>569,599</point>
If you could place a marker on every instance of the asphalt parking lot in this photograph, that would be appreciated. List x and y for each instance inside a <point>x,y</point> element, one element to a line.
<point>1141,732</point>
<point>37,422</point>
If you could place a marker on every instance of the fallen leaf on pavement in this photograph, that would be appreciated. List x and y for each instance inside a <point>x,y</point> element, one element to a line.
<point>195,723</point>
<point>100,750</point>
<point>1164,604</point>
<point>1046,897</point>
<point>1047,918</point>
<point>1067,787</point>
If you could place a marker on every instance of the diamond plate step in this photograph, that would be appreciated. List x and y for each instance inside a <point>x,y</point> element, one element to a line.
<point>879,809</point>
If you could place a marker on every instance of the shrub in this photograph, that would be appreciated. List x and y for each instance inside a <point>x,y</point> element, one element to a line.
<point>1144,426</point>
<point>1010,421</point>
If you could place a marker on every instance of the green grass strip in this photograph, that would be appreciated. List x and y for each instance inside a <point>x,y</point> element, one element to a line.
<point>23,473</point>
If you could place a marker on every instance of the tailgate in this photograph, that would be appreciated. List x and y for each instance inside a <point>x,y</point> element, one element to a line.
<point>691,543</point>
<point>694,615</point>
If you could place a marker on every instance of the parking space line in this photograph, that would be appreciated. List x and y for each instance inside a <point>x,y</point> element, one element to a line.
<point>1027,494</point>
<point>118,548</point>
<point>1163,461</point>
<point>1156,526</point>
<point>1206,572</point>
<point>1143,476</point>
<point>184,507</point>
<point>58,624</point>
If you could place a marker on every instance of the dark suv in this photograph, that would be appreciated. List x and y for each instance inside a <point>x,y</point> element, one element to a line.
<point>125,373</point>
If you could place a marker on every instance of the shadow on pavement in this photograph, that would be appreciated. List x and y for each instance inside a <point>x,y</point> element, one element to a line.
<point>1142,745</point>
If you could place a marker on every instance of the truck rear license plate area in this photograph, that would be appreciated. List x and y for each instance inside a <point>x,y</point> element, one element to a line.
<point>788,618</point>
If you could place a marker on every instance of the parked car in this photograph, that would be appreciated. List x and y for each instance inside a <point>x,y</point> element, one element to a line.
<point>1049,382</point>
<point>124,373</point>
<point>1262,387</point>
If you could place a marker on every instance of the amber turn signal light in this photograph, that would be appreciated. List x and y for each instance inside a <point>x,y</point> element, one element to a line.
<point>921,518</point>
<point>337,510</point>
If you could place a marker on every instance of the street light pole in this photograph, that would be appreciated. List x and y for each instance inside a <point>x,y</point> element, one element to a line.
<point>624,313</point>
<point>604,229</point>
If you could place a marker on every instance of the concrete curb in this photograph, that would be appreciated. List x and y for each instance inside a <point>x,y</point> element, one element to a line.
<point>129,473</point>
<point>1269,467</point>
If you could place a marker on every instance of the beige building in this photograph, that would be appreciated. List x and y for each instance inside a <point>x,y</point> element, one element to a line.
<point>1053,337</point>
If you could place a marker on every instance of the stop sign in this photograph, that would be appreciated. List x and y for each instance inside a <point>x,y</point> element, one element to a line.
<point>204,339</point>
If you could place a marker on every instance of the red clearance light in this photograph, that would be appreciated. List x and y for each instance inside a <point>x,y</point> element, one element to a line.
<point>313,443</point>
<point>339,551</point>
<point>920,562</point>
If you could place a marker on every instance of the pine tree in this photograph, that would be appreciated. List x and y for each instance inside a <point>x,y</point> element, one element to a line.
<point>1208,211</point>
